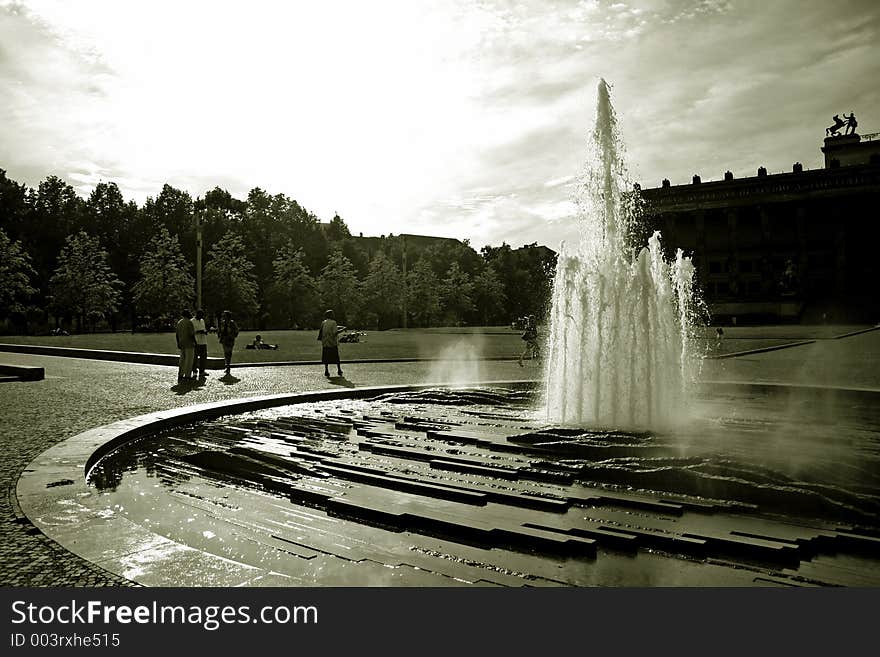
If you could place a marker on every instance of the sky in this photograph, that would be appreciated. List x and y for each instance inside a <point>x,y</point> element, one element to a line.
<point>456,118</point>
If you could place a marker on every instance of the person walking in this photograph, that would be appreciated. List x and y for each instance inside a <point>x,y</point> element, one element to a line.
<point>186,343</point>
<point>530,335</point>
<point>328,334</point>
<point>201,354</point>
<point>227,331</point>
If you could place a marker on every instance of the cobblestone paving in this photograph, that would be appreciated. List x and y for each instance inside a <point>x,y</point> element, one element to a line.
<point>81,394</point>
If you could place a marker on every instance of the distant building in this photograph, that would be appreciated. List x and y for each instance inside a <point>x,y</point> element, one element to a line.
<point>798,246</point>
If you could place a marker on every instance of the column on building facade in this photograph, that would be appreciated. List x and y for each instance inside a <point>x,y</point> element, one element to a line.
<point>700,257</point>
<point>768,289</point>
<point>667,226</point>
<point>837,221</point>
<point>734,281</point>
<point>803,256</point>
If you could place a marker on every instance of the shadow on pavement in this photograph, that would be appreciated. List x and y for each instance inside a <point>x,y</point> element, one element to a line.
<point>341,381</point>
<point>187,385</point>
<point>229,380</point>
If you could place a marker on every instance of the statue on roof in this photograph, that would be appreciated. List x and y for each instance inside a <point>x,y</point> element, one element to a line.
<point>834,130</point>
<point>851,123</point>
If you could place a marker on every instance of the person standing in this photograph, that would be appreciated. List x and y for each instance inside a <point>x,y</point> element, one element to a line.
<point>186,343</point>
<point>227,331</point>
<point>201,353</point>
<point>328,334</point>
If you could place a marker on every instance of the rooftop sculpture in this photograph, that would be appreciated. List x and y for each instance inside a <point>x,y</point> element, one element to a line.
<point>850,125</point>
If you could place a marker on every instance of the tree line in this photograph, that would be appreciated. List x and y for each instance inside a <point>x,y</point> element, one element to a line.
<point>104,262</point>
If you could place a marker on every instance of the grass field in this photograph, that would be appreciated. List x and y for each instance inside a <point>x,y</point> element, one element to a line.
<point>435,343</point>
<point>492,342</point>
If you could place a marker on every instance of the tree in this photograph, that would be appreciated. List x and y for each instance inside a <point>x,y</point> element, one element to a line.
<point>337,230</point>
<point>229,280</point>
<point>173,210</point>
<point>14,209</point>
<point>165,284</point>
<point>490,297</point>
<point>294,291</point>
<point>340,289</point>
<point>83,285</point>
<point>383,290</point>
<point>15,276</point>
<point>105,214</point>
<point>423,293</point>
<point>456,294</point>
<point>527,275</point>
<point>58,213</point>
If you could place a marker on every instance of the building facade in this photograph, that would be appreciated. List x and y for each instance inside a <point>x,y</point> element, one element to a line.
<point>797,246</point>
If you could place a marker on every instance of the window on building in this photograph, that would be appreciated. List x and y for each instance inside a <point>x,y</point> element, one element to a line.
<point>718,266</point>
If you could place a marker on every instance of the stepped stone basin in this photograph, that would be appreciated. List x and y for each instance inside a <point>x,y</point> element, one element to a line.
<point>760,486</point>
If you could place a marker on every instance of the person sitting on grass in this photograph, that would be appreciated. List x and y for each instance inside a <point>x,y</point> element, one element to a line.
<point>259,344</point>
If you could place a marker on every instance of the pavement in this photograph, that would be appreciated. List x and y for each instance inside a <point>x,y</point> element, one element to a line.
<point>77,395</point>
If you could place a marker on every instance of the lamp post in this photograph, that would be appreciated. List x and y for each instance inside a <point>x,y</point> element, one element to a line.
<point>405,282</point>
<point>198,260</point>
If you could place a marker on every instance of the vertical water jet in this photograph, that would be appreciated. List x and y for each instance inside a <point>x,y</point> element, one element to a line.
<point>599,370</point>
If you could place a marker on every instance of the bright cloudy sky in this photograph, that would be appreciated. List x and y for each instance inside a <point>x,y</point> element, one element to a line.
<point>445,117</point>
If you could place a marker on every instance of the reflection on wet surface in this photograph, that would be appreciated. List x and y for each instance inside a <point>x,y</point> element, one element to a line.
<point>460,487</point>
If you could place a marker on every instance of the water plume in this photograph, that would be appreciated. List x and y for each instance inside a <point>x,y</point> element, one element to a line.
<point>619,327</point>
<point>458,364</point>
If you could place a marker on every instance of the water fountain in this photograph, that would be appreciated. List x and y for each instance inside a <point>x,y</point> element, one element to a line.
<point>618,472</point>
<point>618,346</point>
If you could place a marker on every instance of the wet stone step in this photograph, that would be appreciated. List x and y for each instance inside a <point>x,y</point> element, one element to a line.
<point>522,500</point>
<point>284,463</point>
<point>540,539</point>
<point>409,485</point>
<point>400,452</point>
<point>545,476</point>
<point>470,468</point>
<point>308,497</point>
<point>438,422</point>
<point>860,542</point>
<point>810,541</point>
<point>674,543</point>
<point>754,548</point>
<point>633,502</point>
<point>314,423</point>
<point>607,537</point>
<point>361,511</point>
<point>451,526</point>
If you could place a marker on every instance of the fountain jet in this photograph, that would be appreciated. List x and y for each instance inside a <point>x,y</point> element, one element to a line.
<point>618,346</point>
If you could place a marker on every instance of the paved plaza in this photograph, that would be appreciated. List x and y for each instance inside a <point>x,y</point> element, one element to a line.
<point>78,395</point>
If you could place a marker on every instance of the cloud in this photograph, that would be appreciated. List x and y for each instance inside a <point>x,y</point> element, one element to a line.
<point>448,117</point>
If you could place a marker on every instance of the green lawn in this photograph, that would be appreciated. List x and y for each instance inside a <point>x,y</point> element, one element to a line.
<point>465,342</point>
<point>745,338</point>
<point>489,342</point>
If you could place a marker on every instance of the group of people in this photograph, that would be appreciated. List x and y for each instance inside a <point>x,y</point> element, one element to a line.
<point>192,341</point>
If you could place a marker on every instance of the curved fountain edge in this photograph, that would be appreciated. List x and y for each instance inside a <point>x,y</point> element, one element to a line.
<point>50,487</point>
